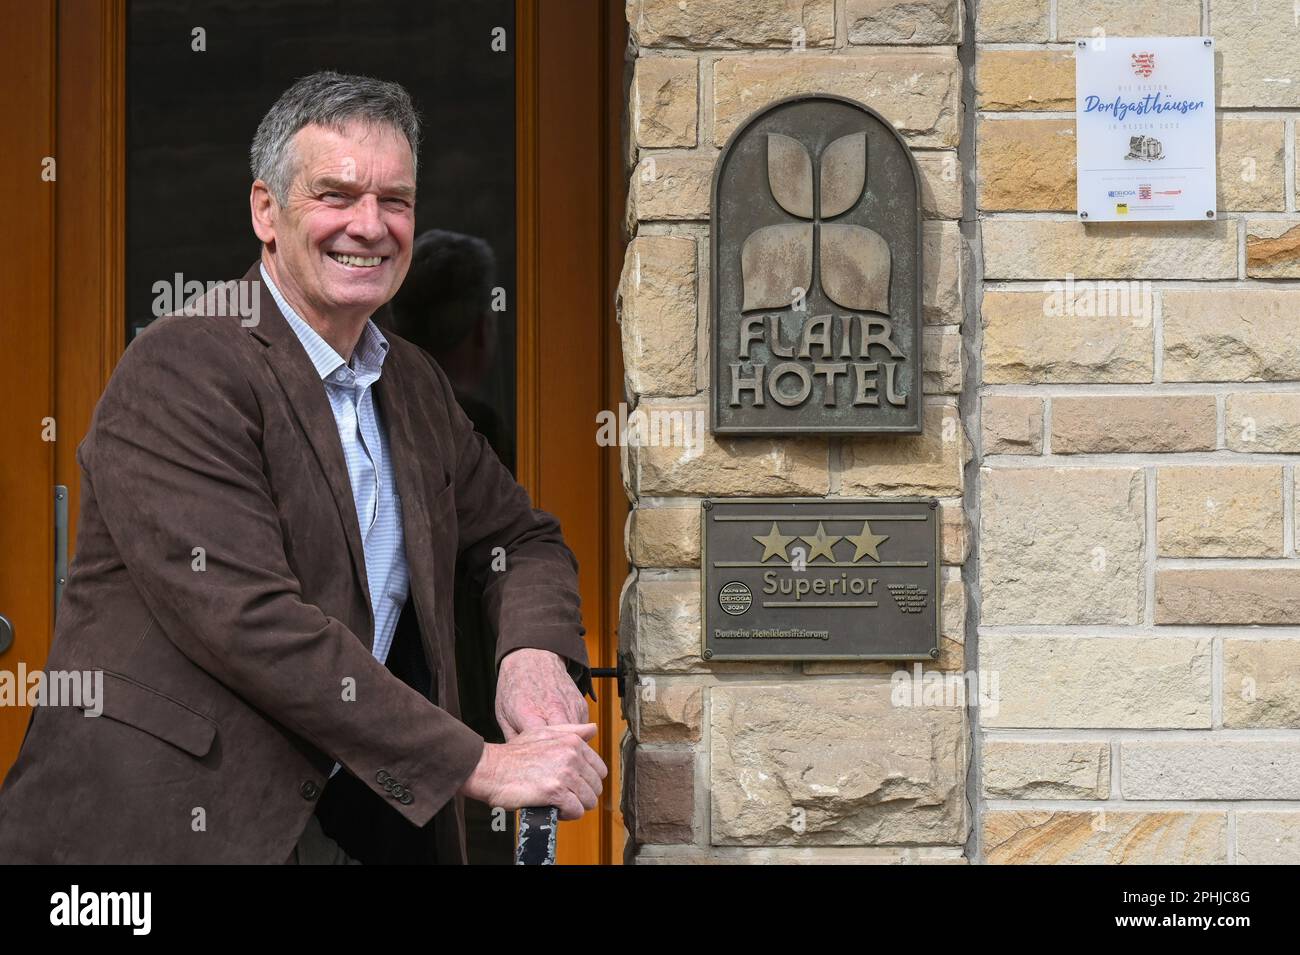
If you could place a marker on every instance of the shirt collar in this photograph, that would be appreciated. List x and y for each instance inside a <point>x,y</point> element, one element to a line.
<point>368,356</point>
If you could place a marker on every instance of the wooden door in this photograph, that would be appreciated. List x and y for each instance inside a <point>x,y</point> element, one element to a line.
<point>571,194</point>
<point>26,282</point>
<point>63,327</point>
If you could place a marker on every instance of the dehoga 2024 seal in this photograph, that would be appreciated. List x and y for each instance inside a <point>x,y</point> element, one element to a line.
<point>735,598</point>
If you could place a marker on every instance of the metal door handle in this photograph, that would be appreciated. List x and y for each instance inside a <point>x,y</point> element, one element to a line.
<point>611,673</point>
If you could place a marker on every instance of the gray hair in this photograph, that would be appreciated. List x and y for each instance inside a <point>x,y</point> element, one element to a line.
<point>332,100</point>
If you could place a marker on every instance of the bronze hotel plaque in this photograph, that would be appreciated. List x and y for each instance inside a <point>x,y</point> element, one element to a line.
<point>816,274</point>
<point>804,579</point>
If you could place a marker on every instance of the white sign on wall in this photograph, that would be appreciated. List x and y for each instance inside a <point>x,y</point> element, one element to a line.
<point>1144,129</point>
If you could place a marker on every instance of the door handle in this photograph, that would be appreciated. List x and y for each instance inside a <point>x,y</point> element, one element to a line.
<point>6,633</point>
<point>611,673</point>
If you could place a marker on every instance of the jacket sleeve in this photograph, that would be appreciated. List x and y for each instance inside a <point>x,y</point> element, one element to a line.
<point>174,461</point>
<point>533,600</point>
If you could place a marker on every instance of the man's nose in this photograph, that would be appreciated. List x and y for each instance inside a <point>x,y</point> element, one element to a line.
<point>366,223</point>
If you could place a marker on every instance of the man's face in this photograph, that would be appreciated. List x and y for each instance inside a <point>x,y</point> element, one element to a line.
<point>342,241</point>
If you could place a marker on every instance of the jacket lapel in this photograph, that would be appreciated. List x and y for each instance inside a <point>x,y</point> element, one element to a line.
<point>311,406</point>
<point>416,530</point>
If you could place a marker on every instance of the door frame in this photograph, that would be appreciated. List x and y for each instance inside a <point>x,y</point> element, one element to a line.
<point>573,57</point>
<point>63,66</point>
<point>570,89</point>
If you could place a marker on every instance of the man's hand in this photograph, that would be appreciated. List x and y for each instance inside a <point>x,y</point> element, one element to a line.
<point>534,689</point>
<point>546,766</point>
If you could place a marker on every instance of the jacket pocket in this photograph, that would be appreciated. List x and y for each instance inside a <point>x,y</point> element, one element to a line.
<point>442,503</point>
<point>146,709</point>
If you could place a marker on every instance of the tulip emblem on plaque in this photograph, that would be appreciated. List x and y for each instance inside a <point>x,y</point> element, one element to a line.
<point>816,273</point>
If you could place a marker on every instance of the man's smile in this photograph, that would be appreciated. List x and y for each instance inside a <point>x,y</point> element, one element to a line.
<point>358,261</point>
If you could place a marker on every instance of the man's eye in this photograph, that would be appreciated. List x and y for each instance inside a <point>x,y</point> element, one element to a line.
<point>333,195</point>
<point>397,203</point>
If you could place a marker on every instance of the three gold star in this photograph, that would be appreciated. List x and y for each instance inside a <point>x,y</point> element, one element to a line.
<point>821,544</point>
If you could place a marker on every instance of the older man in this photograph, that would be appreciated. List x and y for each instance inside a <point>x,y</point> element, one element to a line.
<point>273,509</point>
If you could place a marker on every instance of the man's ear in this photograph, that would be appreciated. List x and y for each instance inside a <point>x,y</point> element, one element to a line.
<point>263,207</point>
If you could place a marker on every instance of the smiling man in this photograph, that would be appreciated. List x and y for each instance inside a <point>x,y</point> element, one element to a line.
<point>271,519</point>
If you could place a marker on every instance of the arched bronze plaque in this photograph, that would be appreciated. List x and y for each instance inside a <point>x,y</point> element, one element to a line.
<point>816,272</point>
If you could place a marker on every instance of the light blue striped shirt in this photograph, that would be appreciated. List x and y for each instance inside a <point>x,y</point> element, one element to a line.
<point>370,471</point>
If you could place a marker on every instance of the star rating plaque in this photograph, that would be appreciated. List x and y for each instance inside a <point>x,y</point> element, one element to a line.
<point>815,579</point>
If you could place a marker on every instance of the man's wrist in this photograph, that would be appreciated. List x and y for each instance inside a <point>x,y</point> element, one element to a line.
<point>578,671</point>
<point>519,659</point>
<point>478,785</point>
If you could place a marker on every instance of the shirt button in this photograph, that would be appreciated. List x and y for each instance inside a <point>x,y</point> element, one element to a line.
<point>309,790</point>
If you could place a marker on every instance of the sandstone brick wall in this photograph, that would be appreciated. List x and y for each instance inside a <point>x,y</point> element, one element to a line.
<point>1130,555</point>
<point>1138,587</point>
<point>780,762</point>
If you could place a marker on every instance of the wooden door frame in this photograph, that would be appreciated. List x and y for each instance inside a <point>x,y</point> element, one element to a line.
<point>90,223</point>
<point>27,69</point>
<point>577,58</point>
<point>88,302</point>
<point>65,72</point>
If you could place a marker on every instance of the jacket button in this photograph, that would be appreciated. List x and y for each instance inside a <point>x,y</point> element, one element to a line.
<point>309,790</point>
<point>406,799</point>
<point>382,776</point>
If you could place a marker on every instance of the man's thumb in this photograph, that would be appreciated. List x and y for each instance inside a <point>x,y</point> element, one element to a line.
<point>585,730</point>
